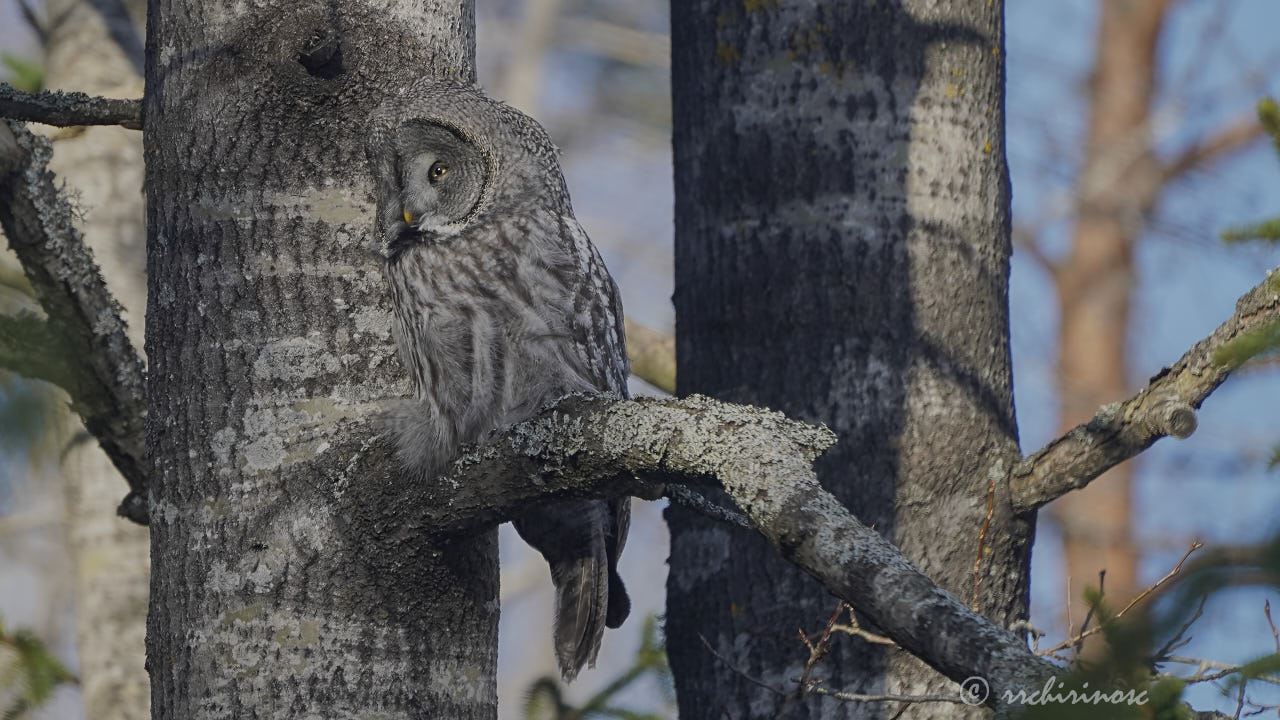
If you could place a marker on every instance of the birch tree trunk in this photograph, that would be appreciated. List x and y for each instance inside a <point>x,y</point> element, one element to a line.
<point>842,255</point>
<point>104,167</point>
<point>268,336</point>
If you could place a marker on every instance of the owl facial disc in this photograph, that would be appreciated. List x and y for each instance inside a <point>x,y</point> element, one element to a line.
<point>442,178</point>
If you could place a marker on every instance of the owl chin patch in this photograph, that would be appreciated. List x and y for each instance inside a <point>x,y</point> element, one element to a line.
<point>406,237</point>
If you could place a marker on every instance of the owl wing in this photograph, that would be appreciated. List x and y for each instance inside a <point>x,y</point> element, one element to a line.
<point>600,337</point>
<point>597,321</point>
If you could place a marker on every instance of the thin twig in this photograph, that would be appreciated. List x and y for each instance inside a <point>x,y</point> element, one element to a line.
<point>734,668</point>
<point>850,697</point>
<point>1024,238</point>
<point>1025,627</point>
<point>1084,626</point>
<point>817,651</point>
<point>1071,623</point>
<point>1233,137</point>
<point>1266,610</point>
<point>856,697</point>
<point>1195,545</point>
<point>1180,638</point>
<point>1223,670</point>
<point>67,109</point>
<point>856,630</point>
<point>982,544</point>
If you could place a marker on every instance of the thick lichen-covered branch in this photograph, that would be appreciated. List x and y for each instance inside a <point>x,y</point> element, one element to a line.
<point>103,373</point>
<point>66,109</point>
<point>1166,406</point>
<point>600,445</point>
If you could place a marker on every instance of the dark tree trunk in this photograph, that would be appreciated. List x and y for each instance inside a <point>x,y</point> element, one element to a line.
<point>268,337</point>
<point>842,255</point>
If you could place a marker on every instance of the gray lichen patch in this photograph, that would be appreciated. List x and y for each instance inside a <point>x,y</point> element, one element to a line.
<point>295,359</point>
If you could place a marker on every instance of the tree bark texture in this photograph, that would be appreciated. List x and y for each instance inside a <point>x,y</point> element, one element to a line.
<point>103,166</point>
<point>1118,183</point>
<point>269,340</point>
<point>842,255</point>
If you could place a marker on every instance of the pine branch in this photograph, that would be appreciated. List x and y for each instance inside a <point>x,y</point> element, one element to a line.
<point>1166,406</point>
<point>1268,230</point>
<point>66,109</point>
<point>103,373</point>
<point>1269,118</point>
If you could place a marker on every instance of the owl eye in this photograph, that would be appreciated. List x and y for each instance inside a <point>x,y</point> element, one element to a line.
<point>437,172</point>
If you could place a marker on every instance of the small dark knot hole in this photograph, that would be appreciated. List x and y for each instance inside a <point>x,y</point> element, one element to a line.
<point>322,56</point>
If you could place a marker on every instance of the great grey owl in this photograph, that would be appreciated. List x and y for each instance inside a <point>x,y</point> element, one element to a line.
<point>502,305</point>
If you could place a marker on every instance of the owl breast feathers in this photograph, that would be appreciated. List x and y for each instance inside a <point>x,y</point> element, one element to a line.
<point>502,305</point>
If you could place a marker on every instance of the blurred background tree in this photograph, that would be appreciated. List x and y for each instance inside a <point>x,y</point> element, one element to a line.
<point>96,47</point>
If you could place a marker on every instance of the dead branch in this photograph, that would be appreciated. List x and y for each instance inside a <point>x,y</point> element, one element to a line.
<point>1086,631</point>
<point>909,699</point>
<point>66,109</point>
<point>1210,670</point>
<point>818,690</point>
<point>1121,430</point>
<point>1024,238</point>
<point>103,373</point>
<point>1275,634</point>
<point>1233,137</point>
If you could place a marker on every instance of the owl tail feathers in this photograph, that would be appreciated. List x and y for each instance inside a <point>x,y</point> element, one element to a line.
<point>582,596</point>
<point>619,602</point>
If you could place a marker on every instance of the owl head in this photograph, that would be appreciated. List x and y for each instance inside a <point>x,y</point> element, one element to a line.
<point>445,158</point>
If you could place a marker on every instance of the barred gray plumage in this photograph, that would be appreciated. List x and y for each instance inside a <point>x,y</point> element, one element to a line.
<point>502,304</point>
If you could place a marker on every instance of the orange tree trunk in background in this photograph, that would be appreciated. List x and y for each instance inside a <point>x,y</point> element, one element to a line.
<point>1115,190</point>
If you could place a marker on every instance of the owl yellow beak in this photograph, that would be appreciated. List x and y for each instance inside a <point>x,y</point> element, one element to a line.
<point>408,217</point>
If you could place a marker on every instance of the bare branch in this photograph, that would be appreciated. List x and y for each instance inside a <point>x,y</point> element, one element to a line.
<point>598,445</point>
<point>1086,632</point>
<point>1235,136</point>
<point>104,374</point>
<point>623,44</point>
<point>66,109</point>
<point>909,699</point>
<point>818,690</point>
<point>1024,238</point>
<point>853,629</point>
<point>653,356</point>
<point>1222,669</point>
<point>1167,406</point>
<point>32,19</point>
<point>1275,634</point>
